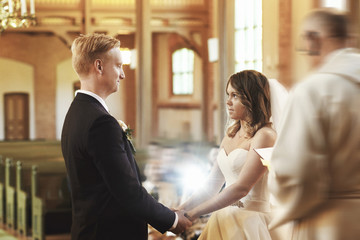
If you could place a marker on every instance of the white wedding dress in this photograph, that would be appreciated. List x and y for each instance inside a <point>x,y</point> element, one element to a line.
<point>238,223</point>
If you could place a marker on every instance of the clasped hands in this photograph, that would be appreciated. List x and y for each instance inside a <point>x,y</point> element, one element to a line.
<point>183,222</point>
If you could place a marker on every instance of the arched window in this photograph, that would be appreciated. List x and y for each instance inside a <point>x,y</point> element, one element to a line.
<point>183,71</point>
<point>248,35</point>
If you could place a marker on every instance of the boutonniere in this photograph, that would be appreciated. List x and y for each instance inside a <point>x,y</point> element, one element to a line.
<point>128,132</point>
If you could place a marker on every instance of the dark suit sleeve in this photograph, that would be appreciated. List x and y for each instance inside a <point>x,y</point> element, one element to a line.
<point>106,146</point>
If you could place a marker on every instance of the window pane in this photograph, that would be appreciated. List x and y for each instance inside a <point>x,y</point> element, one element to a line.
<point>176,86</point>
<point>239,14</point>
<point>183,71</point>
<point>248,35</point>
<point>258,12</point>
<point>175,62</point>
<point>258,43</point>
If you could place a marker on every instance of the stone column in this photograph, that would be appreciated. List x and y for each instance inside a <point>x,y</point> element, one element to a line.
<point>285,42</point>
<point>143,73</point>
<point>226,54</point>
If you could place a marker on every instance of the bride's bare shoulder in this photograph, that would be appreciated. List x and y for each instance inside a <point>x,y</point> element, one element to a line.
<point>265,136</point>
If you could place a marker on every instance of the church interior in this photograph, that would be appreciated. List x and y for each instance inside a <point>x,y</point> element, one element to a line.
<point>179,55</point>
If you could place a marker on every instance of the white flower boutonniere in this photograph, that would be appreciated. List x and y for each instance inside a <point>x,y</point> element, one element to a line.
<point>128,132</point>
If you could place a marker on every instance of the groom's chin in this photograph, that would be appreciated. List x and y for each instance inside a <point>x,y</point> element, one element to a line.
<point>116,88</point>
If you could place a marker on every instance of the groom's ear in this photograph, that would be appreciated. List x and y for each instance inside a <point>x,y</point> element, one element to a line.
<point>98,65</point>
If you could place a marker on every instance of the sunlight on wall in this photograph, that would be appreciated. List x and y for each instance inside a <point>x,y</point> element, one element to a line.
<point>16,77</point>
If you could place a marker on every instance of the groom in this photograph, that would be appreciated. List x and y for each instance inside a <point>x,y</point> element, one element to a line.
<point>108,200</point>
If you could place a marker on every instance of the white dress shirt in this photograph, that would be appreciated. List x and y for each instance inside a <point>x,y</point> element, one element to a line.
<point>97,97</point>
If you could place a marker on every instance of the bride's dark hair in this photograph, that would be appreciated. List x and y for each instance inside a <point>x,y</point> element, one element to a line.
<point>253,88</point>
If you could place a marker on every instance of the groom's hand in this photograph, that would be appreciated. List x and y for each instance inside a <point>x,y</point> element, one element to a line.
<point>183,223</point>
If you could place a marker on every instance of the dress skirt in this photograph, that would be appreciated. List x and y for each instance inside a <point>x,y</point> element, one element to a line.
<point>233,223</point>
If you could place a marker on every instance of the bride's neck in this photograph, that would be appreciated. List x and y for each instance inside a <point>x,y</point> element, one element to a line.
<point>243,132</point>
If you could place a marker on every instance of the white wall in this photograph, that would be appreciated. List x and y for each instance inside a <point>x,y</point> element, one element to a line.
<point>16,77</point>
<point>65,79</point>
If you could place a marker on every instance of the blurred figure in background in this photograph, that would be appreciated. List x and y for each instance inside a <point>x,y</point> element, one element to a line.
<point>316,159</point>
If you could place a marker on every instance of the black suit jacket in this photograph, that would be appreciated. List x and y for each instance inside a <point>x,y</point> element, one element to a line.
<point>108,200</point>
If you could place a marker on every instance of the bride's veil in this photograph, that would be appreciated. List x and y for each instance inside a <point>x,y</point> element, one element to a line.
<point>278,98</point>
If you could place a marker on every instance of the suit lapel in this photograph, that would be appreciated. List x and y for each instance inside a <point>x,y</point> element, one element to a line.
<point>134,166</point>
<point>131,158</point>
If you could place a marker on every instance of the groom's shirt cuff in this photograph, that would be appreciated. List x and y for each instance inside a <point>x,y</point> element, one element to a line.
<point>175,222</point>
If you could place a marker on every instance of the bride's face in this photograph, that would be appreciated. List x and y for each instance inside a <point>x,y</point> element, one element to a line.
<point>236,109</point>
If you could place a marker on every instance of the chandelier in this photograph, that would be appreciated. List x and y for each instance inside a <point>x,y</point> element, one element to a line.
<point>15,14</point>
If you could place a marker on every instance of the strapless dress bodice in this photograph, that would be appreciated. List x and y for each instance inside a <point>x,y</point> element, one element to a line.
<point>231,165</point>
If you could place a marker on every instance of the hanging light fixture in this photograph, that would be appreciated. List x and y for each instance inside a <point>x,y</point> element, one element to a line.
<point>15,14</point>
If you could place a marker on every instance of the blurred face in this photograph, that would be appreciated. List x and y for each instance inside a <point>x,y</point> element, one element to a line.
<point>236,109</point>
<point>112,70</point>
<point>313,41</point>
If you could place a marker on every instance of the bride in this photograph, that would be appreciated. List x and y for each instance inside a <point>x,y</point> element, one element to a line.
<point>244,205</point>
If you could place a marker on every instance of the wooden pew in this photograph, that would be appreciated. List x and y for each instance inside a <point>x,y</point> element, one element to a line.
<point>36,207</point>
<point>23,209</point>
<point>51,208</point>
<point>31,150</point>
<point>55,201</point>
<point>10,194</point>
<point>2,191</point>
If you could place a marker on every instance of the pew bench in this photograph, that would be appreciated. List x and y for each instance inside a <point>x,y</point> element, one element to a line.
<point>51,203</point>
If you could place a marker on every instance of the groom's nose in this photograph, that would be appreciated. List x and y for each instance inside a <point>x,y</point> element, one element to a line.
<point>122,74</point>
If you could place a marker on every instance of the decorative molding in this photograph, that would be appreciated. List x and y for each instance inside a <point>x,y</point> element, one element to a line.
<point>113,17</point>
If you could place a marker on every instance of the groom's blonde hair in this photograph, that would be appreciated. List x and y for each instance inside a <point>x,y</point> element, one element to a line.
<point>87,48</point>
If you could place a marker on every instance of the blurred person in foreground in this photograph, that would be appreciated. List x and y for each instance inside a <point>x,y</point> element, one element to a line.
<point>108,200</point>
<point>243,209</point>
<point>315,164</point>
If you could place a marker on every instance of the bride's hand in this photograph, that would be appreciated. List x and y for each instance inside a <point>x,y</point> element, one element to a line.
<point>178,208</point>
<point>190,216</point>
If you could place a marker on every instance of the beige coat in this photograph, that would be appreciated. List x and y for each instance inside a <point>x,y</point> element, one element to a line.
<point>315,166</point>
